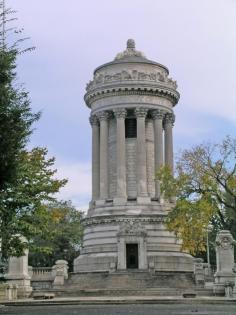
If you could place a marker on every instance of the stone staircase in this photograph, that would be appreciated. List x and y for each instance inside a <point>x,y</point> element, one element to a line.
<point>129,283</point>
<point>135,283</point>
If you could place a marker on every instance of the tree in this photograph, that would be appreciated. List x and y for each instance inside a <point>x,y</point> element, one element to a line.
<point>27,178</point>
<point>16,120</point>
<point>63,239</point>
<point>16,116</point>
<point>23,204</point>
<point>205,190</point>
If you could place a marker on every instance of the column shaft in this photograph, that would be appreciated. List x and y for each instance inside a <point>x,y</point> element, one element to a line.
<point>103,117</point>
<point>158,116</point>
<point>95,157</point>
<point>121,193</point>
<point>141,153</point>
<point>168,124</point>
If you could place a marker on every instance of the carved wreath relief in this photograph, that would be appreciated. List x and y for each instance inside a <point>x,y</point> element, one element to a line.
<point>225,240</point>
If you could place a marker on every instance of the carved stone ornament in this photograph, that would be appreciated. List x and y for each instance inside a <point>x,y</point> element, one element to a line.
<point>134,75</point>
<point>132,227</point>
<point>103,115</point>
<point>93,120</point>
<point>158,114</point>
<point>119,220</point>
<point>130,51</point>
<point>225,240</point>
<point>141,112</point>
<point>169,119</point>
<point>120,113</point>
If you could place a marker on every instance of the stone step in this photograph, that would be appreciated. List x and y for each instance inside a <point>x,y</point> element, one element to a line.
<point>129,280</point>
<point>73,292</point>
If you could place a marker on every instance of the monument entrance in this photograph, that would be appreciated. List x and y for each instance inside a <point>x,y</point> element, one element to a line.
<point>132,256</point>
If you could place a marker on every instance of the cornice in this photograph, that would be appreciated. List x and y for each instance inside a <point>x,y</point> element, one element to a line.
<point>97,94</point>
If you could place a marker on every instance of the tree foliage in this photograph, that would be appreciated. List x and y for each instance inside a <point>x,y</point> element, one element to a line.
<point>205,190</point>
<point>22,204</point>
<point>63,238</point>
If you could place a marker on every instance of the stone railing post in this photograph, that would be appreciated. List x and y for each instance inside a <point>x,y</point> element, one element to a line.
<point>61,269</point>
<point>199,273</point>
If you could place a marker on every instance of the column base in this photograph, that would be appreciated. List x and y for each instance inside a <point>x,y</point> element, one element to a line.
<point>119,201</point>
<point>143,199</point>
<point>100,202</point>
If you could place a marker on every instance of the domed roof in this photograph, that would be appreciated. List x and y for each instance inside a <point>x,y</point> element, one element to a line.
<point>131,55</point>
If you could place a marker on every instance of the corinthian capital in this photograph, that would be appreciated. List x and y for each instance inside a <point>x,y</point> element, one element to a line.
<point>141,112</point>
<point>120,113</point>
<point>103,115</point>
<point>93,120</point>
<point>169,119</point>
<point>158,114</point>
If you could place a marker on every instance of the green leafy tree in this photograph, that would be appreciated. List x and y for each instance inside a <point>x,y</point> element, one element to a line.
<point>205,190</point>
<point>63,239</point>
<point>16,116</point>
<point>23,210</point>
<point>16,120</point>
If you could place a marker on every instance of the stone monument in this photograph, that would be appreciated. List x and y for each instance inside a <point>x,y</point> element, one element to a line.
<point>224,261</point>
<point>18,273</point>
<point>131,101</point>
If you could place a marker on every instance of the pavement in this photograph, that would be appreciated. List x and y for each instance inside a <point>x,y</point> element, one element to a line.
<point>106,300</point>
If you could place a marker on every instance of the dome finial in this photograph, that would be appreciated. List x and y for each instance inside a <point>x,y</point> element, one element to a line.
<point>130,44</point>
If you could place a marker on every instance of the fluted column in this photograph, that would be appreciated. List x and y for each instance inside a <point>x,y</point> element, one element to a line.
<point>95,157</point>
<point>103,118</point>
<point>158,116</point>
<point>142,194</point>
<point>168,125</point>
<point>121,194</point>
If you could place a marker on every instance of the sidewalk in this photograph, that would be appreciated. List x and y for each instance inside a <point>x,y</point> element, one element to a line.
<point>121,300</point>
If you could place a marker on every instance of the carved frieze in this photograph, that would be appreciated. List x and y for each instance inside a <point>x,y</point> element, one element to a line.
<point>132,227</point>
<point>121,220</point>
<point>134,75</point>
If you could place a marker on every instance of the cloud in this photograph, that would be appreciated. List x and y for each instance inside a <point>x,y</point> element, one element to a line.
<point>78,188</point>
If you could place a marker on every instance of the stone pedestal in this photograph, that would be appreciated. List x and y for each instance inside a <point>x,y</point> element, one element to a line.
<point>224,260</point>
<point>18,274</point>
<point>61,273</point>
<point>199,273</point>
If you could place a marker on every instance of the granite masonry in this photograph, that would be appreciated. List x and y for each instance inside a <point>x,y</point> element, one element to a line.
<point>131,101</point>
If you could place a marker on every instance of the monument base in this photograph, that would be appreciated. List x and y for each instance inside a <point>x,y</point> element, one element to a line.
<point>24,288</point>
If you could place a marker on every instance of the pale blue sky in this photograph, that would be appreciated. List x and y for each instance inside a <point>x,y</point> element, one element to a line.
<point>195,39</point>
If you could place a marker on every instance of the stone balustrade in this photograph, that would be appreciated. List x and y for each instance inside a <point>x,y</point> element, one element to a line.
<point>48,277</point>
